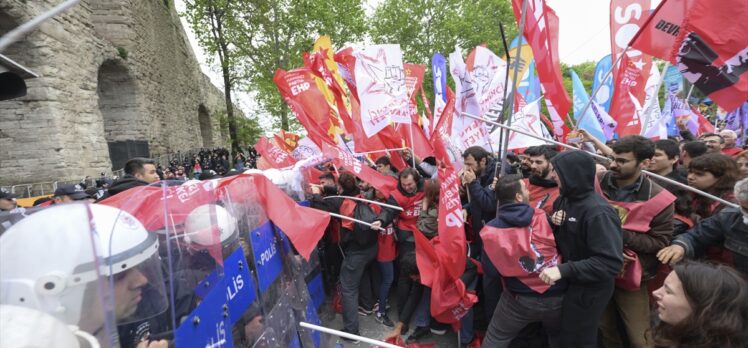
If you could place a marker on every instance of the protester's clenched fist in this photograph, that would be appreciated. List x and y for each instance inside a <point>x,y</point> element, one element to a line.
<point>550,275</point>
<point>671,254</point>
<point>558,217</point>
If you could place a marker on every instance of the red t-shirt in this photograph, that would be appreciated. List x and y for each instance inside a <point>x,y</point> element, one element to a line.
<point>386,246</point>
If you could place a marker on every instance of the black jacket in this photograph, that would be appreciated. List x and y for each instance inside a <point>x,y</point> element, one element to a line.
<point>589,238</point>
<point>482,206</point>
<point>127,182</point>
<point>726,228</point>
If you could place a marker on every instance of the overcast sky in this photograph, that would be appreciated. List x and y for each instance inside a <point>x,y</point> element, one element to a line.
<point>584,27</point>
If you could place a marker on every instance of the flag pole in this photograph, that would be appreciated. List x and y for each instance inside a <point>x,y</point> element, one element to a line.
<point>510,102</point>
<point>648,173</point>
<point>506,78</point>
<point>15,34</point>
<point>599,86</point>
<point>367,201</point>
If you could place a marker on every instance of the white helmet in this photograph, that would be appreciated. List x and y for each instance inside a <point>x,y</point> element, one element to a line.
<point>51,261</point>
<point>210,224</point>
<point>21,327</point>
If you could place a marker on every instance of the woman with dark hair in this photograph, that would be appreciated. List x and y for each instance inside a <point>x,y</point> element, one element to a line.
<point>428,220</point>
<point>701,305</point>
<point>715,174</point>
<point>742,160</point>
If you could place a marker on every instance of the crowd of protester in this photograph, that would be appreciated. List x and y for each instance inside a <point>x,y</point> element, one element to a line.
<point>605,235</point>
<point>564,250</point>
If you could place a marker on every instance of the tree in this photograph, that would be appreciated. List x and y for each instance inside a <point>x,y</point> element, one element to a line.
<point>428,26</point>
<point>214,23</point>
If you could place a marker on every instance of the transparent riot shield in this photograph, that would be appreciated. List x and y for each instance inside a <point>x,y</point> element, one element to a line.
<point>53,265</point>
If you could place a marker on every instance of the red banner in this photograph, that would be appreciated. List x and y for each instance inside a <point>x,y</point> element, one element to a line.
<point>627,16</point>
<point>541,31</point>
<point>299,89</point>
<point>273,154</point>
<point>658,35</point>
<point>712,50</point>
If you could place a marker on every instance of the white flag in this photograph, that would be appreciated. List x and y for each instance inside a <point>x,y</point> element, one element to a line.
<point>526,119</point>
<point>466,131</point>
<point>380,81</point>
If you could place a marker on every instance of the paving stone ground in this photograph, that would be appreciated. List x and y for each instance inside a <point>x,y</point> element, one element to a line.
<point>369,327</point>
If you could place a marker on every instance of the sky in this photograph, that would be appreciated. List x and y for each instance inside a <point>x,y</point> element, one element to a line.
<point>584,35</point>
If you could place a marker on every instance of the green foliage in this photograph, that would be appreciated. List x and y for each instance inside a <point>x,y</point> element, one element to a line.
<point>428,26</point>
<point>122,52</point>
<point>264,35</point>
<point>248,129</point>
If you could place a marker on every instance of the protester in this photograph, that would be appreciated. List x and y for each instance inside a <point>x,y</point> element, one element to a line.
<point>521,233</point>
<point>665,160</point>
<point>543,189</point>
<point>730,137</point>
<point>386,255</point>
<point>715,174</point>
<point>647,227</point>
<point>359,247</point>
<point>728,228</point>
<point>385,167</point>
<point>713,141</point>
<point>138,172</point>
<point>742,161</point>
<point>588,235</point>
<point>702,305</point>
<point>691,150</point>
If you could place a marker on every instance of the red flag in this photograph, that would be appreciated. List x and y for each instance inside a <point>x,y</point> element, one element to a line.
<point>541,31</point>
<point>626,17</point>
<point>383,183</point>
<point>287,141</point>
<point>712,50</point>
<point>299,90</point>
<point>273,154</point>
<point>303,226</point>
<point>658,35</point>
<point>704,125</point>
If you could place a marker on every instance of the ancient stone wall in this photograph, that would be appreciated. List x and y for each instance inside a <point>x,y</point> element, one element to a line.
<point>110,71</point>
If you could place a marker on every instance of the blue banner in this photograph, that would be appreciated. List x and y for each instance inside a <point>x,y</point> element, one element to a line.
<point>240,288</point>
<point>605,95</point>
<point>267,256</point>
<point>316,290</point>
<point>208,325</point>
<point>439,73</point>
<point>589,122</point>
<point>673,80</point>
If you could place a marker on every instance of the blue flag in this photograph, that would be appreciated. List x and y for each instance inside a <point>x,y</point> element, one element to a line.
<point>529,85</point>
<point>605,95</point>
<point>673,83</point>
<point>439,72</point>
<point>589,122</point>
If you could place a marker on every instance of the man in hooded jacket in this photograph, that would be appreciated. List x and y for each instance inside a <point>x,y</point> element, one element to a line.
<point>588,235</point>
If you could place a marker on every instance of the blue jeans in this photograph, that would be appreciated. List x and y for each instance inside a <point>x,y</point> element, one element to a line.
<point>423,311</point>
<point>387,269</point>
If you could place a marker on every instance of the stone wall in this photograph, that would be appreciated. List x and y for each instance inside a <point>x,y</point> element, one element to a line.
<point>110,70</point>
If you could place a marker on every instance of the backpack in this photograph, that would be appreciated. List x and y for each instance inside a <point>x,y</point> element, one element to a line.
<point>363,235</point>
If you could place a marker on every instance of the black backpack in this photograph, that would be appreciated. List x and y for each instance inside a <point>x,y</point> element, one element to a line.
<point>363,235</point>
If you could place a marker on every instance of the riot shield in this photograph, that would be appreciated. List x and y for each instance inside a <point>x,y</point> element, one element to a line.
<point>54,262</point>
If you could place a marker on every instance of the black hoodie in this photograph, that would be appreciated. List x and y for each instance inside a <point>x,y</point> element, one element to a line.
<point>589,238</point>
